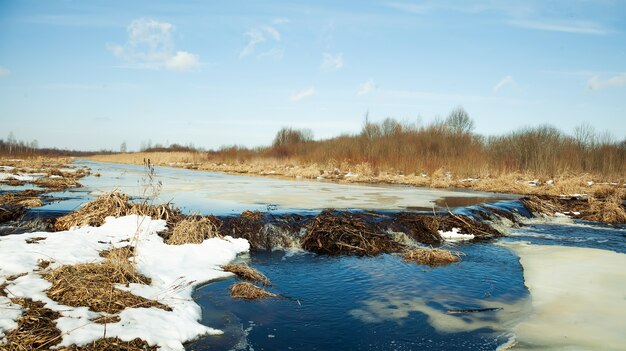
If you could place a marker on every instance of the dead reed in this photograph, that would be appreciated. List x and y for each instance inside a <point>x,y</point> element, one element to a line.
<point>542,205</point>
<point>193,230</point>
<point>113,344</point>
<point>335,233</point>
<point>245,272</point>
<point>247,291</point>
<point>27,198</point>
<point>610,210</point>
<point>36,328</point>
<point>57,184</point>
<point>113,204</point>
<point>93,284</point>
<point>431,257</point>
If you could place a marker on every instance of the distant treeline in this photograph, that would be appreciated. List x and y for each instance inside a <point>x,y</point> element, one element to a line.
<point>18,148</point>
<point>449,145</point>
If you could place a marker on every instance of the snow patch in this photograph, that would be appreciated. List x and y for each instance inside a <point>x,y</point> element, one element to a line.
<point>454,235</point>
<point>174,269</point>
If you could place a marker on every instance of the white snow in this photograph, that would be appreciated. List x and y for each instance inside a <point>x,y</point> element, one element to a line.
<point>22,177</point>
<point>174,269</point>
<point>54,176</point>
<point>454,235</point>
<point>6,168</point>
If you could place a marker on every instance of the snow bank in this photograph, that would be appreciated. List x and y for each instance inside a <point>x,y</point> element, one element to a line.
<point>174,270</point>
<point>454,235</point>
<point>578,298</point>
<point>22,177</point>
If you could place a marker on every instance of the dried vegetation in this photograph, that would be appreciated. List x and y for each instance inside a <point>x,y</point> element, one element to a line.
<point>431,257</point>
<point>194,230</point>
<point>248,291</point>
<point>245,272</point>
<point>114,204</point>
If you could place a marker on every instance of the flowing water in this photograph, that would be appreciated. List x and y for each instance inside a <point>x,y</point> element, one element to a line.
<point>357,303</point>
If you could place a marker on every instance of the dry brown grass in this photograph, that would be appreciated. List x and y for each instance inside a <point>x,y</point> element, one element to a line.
<point>36,328</point>
<point>93,284</point>
<point>113,204</point>
<point>28,198</point>
<point>610,210</point>
<point>157,158</point>
<point>57,184</point>
<point>246,272</point>
<point>113,344</point>
<point>249,291</point>
<point>193,230</point>
<point>431,257</point>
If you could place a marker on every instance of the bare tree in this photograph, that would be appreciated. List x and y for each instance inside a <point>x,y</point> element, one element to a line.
<point>123,147</point>
<point>459,121</point>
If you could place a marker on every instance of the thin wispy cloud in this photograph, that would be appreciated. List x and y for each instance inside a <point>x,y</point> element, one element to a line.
<point>366,88</point>
<point>577,27</point>
<point>502,84</point>
<point>303,94</point>
<point>4,72</point>
<point>596,83</point>
<point>150,45</point>
<point>257,36</point>
<point>331,63</point>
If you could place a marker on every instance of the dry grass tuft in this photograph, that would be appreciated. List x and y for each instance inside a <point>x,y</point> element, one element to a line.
<point>93,284</point>
<point>610,211</point>
<point>193,230</point>
<point>36,328</point>
<point>107,319</point>
<point>57,184</point>
<point>113,204</point>
<point>28,198</point>
<point>113,344</point>
<point>431,257</point>
<point>249,291</point>
<point>246,272</point>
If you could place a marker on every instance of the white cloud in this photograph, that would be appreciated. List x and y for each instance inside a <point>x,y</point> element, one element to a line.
<point>596,83</point>
<point>4,72</point>
<point>150,45</point>
<point>183,61</point>
<point>366,88</point>
<point>580,27</point>
<point>281,20</point>
<point>303,94</point>
<point>332,62</point>
<point>506,81</point>
<point>257,36</point>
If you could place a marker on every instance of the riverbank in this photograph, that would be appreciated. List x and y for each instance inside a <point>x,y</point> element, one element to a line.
<point>512,183</point>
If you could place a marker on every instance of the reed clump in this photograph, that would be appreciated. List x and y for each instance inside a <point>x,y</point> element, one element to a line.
<point>36,328</point>
<point>245,272</point>
<point>27,198</point>
<point>11,213</point>
<point>542,205</point>
<point>93,284</point>
<point>114,204</point>
<point>248,291</point>
<point>113,344</point>
<point>193,230</point>
<point>431,257</point>
<point>57,184</point>
<point>610,210</point>
<point>336,233</point>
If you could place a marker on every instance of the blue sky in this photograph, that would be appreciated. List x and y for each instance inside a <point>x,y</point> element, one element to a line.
<point>91,74</point>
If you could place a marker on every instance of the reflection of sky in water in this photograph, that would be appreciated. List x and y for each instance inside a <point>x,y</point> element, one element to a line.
<point>217,193</point>
<point>379,303</point>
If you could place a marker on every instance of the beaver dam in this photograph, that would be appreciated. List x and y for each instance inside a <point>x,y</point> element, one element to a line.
<point>105,266</point>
